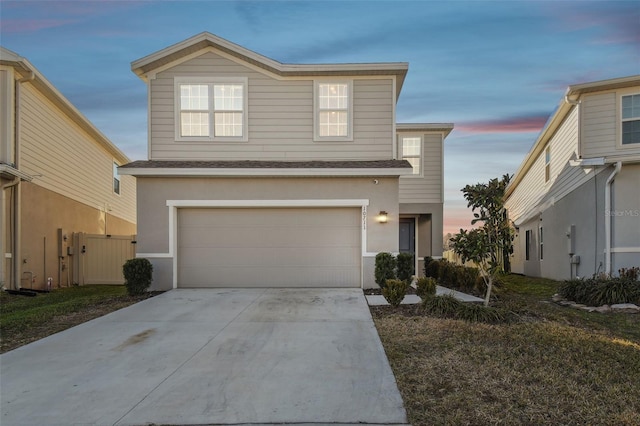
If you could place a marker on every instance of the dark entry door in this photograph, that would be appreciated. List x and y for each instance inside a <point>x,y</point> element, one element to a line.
<point>407,235</point>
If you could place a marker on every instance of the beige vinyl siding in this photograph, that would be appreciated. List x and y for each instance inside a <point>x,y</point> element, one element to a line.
<point>598,124</point>
<point>564,178</point>
<point>428,188</point>
<point>280,117</point>
<point>63,158</point>
<point>601,125</point>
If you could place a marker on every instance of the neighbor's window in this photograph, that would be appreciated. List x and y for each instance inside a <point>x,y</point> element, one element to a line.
<point>541,244</point>
<point>411,150</point>
<point>547,164</point>
<point>210,110</point>
<point>630,119</point>
<point>333,110</point>
<point>116,179</point>
<point>527,245</point>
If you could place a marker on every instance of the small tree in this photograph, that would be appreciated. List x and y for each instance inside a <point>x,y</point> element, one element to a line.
<point>490,245</point>
<point>405,266</point>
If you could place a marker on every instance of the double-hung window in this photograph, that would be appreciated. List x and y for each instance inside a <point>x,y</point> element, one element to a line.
<point>333,110</point>
<point>411,150</point>
<point>211,109</point>
<point>547,164</point>
<point>630,119</point>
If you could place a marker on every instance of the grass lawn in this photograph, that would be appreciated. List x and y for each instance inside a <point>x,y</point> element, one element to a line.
<point>26,319</point>
<point>555,365</point>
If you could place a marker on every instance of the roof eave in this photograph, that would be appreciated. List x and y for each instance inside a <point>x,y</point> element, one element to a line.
<point>254,172</point>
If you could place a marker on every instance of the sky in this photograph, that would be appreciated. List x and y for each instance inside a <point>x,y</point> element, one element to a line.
<point>496,69</point>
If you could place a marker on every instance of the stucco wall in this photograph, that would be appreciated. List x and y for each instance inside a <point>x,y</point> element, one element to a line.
<point>43,212</point>
<point>153,213</point>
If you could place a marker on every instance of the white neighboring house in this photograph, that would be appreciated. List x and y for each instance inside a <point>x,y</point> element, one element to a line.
<point>575,200</point>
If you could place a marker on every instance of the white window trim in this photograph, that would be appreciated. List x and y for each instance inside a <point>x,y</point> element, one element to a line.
<point>114,169</point>
<point>177,81</point>
<point>401,156</point>
<point>316,112</point>
<point>620,120</point>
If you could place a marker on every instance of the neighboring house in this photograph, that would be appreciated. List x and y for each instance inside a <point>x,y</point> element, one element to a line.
<point>59,177</point>
<point>264,174</point>
<point>575,200</point>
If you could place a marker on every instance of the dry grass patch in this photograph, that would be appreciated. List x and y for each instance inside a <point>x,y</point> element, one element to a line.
<point>453,372</point>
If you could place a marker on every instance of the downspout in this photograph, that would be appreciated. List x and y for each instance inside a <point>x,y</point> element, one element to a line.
<point>17,222</point>
<point>607,222</point>
<point>3,203</point>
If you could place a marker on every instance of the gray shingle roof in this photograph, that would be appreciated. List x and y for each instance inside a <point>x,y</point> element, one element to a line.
<point>251,164</point>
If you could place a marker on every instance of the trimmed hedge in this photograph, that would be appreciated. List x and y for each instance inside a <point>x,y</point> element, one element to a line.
<point>404,266</point>
<point>385,268</point>
<point>457,277</point>
<point>426,287</point>
<point>138,274</point>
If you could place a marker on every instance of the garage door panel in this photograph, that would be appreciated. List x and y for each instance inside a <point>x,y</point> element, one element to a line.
<point>267,237</point>
<point>270,247</point>
<point>294,257</point>
<point>206,276</point>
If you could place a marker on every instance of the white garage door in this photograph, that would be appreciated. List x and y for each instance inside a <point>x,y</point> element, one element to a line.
<point>269,247</point>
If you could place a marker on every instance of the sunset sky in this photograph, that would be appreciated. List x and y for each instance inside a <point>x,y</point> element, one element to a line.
<point>496,69</point>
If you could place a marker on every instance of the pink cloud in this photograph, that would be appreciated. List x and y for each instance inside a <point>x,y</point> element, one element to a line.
<point>505,125</point>
<point>28,25</point>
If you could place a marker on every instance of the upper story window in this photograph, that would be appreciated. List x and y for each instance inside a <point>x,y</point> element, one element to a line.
<point>630,119</point>
<point>411,150</point>
<point>547,164</point>
<point>211,109</point>
<point>116,179</point>
<point>333,111</point>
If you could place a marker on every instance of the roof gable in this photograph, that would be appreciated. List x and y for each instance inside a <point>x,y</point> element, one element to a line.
<point>204,41</point>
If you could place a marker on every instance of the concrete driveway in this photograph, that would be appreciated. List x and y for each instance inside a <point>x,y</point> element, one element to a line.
<point>207,356</point>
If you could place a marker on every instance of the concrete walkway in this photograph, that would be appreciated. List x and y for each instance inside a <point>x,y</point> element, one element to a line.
<point>411,299</point>
<point>209,357</point>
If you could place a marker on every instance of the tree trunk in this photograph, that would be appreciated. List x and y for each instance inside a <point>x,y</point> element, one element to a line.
<point>488,294</point>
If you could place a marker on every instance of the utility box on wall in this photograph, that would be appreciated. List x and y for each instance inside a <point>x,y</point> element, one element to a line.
<point>62,242</point>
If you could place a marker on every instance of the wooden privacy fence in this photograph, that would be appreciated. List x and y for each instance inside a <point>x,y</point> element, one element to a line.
<point>99,258</point>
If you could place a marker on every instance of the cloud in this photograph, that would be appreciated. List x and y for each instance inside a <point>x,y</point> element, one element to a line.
<point>532,123</point>
<point>612,22</point>
<point>31,25</point>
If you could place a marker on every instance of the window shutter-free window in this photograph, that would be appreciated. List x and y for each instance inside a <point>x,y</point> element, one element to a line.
<point>211,108</point>
<point>631,119</point>
<point>411,150</point>
<point>333,115</point>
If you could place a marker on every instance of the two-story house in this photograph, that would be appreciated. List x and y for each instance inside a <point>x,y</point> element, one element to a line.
<point>264,174</point>
<point>575,200</point>
<point>58,177</point>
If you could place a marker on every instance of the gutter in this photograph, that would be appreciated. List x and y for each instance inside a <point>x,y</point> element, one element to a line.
<point>607,223</point>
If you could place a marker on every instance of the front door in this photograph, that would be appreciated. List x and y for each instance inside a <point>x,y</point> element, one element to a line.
<point>407,235</point>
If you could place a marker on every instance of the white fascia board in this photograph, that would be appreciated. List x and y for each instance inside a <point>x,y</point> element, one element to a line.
<point>264,172</point>
<point>268,203</point>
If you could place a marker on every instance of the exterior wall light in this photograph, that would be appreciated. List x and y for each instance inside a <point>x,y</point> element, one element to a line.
<point>383,217</point>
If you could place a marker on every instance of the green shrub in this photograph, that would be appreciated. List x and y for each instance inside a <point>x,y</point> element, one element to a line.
<point>431,267</point>
<point>472,312</point>
<point>599,291</point>
<point>426,287</point>
<point>405,266</point>
<point>444,306</point>
<point>394,291</point>
<point>137,275</point>
<point>385,268</point>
